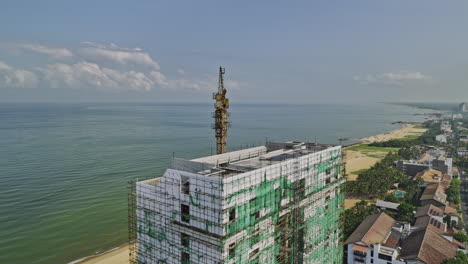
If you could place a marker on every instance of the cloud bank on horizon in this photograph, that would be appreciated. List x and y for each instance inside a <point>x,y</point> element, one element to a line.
<point>105,67</point>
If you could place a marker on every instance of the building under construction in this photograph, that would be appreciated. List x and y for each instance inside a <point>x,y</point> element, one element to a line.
<point>278,203</point>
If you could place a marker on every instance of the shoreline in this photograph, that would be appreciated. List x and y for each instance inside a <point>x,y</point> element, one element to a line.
<point>358,159</point>
<point>355,160</point>
<point>117,255</point>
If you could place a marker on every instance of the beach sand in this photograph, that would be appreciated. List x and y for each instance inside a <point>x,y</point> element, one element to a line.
<point>115,256</point>
<point>359,160</point>
<point>355,160</point>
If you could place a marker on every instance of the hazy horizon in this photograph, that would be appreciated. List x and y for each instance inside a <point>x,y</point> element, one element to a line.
<point>273,52</point>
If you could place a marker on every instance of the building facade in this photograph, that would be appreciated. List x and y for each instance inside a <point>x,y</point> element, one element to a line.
<point>278,203</point>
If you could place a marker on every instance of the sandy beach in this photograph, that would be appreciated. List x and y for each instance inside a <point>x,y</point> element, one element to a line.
<point>355,160</point>
<point>117,255</point>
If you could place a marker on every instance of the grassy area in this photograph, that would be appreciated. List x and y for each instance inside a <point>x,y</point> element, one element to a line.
<point>420,127</point>
<point>367,148</point>
<point>372,151</point>
<point>359,171</point>
<point>409,137</point>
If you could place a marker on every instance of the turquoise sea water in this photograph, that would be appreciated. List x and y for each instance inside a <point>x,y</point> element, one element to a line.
<point>64,168</point>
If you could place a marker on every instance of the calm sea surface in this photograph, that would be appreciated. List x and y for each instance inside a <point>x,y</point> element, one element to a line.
<point>64,168</point>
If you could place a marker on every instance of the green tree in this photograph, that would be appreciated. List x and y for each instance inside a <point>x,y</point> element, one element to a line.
<point>453,191</point>
<point>460,236</point>
<point>405,212</point>
<point>354,216</point>
<point>391,198</point>
<point>461,258</point>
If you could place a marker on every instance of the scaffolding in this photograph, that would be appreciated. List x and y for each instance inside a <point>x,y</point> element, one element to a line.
<point>269,204</point>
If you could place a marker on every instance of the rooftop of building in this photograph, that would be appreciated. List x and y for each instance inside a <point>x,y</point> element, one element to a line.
<point>430,175</point>
<point>426,220</point>
<point>427,245</point>
<point>385,204</point>
<point>375,229</point>
<point>241,161</point>
<point>429,210</point>
<point>434,191</point>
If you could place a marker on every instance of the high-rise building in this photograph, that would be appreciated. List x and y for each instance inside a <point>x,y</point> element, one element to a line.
<point>463,107</point>
<point>278,203</point>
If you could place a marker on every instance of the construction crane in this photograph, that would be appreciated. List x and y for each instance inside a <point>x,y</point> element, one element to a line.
<point>221,115</point>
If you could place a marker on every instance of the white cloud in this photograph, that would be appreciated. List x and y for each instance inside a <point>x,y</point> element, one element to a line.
<point>53,52</point>
<point>91,75</point>
<point>103,67</point>
<point>116,54</point>
<point>11,77</point>
<point>392,78</point>
<point>181,71</point>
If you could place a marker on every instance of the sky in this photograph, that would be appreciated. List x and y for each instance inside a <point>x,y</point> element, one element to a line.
<point>273,51</point>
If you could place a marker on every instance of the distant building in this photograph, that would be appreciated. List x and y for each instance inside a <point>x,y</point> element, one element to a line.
<point>411,167</point>
<point>441,138</point>
<point>464,138</point>
<point>462,151</point>
<point>463,107</point>
<point>437,162</point>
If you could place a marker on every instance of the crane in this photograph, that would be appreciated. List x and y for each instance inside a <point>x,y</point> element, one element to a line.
<point>221,115</point>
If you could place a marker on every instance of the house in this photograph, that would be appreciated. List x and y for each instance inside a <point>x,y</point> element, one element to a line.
<point>427,246</point>
<point>375,241</point>
<point>434,194</point>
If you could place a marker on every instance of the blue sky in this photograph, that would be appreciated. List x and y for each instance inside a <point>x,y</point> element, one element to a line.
<point>273,51</point>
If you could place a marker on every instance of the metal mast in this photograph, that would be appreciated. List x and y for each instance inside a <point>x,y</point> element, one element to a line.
<point>221,115</point>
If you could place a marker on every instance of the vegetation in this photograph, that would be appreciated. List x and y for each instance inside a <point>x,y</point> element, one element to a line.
<point>412,189</point>
<point>377,180</point>
<point>453,191</point>
<point>461,258</point>
<point>405,212</point>
<point>427,138</point>
<point>391,198</point>
<point>359,172</point>
<point>354,216</point>
<point>462,163</point>
<point>460,236</point>
<point>409,152</point>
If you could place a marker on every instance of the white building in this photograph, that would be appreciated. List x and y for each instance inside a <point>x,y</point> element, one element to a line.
<point>441,138</point>
<point>271,204</point>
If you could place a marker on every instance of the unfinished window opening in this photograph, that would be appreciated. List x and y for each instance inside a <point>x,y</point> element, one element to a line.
<point>184,240</point>
<point>327,171</point>
<point>328,180</point>
<point>185,185</point>
<point>232,214</point>
<point>185,258</point>
<point>253,253</point>
<point>232,248</point>
<point>185,213</point>
<point>256,215</point>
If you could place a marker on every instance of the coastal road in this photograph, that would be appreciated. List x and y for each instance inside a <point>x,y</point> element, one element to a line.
<point>464,197</point>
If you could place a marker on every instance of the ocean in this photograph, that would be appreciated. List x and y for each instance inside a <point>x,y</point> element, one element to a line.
<point>64,168</point>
